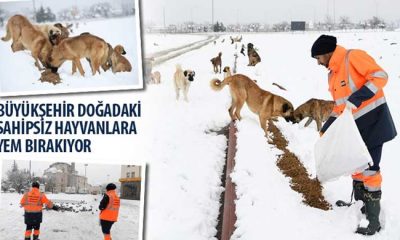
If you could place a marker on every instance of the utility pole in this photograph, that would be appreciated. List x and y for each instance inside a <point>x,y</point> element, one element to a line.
<point>334,14</point>
<point>164,17</point>
<point>212,13</point>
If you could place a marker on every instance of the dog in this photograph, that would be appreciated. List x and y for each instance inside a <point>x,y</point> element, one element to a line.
<point>75,48</point>
<point>25,36</point>
<point>263,103</point>
<point>182,80</point>
<point>227,72</point>
<point>118,62</point>
<point>217,62</point>
<point>315,109</point>
<point>254,58</point>
<point>156,77</point>
<point>64,33</point>
<point>104,65</point>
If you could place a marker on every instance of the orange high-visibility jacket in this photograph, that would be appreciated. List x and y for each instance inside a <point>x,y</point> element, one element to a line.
<point>356,77</point>
<point>346,78</point>
<point>110,213</point>
<point>33,201</point>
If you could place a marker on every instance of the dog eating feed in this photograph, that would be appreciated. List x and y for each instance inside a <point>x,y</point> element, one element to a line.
<point>263,103</point>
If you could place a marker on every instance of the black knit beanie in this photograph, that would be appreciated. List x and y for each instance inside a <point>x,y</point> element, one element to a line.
<point>35,185</point>
<point>111,186</point>
<point>324,44</point>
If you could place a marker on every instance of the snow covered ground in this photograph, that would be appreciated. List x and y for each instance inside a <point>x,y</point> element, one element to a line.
<point>68,225</point>
<point>19,75</point>
<point>185,166</point>
<point>159,42</point>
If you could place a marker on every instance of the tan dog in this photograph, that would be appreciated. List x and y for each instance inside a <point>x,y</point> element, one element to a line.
<point>75,48</point>
<point>254,58</point>
<point>263,103</point>
<point>182,80</point>
<point>156,77</point>
<point>64,33</point>
<point>314,109</point>
<point>227,72</point>
<point>217,62</point>
<point>104,65</point>
<point>119,62</point>
<point>25,36</point>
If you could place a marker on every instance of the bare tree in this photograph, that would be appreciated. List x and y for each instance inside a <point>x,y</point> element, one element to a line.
<point>344,22</point>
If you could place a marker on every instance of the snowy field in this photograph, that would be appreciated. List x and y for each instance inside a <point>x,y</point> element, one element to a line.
<point>186,162</point>
<point>159,42</point>
<point>19,75</point>
<point>68,225</point>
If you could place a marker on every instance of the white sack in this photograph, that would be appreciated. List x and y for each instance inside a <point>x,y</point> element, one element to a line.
<point>341,150</point>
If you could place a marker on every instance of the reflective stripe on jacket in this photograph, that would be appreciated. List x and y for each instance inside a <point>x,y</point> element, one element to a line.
<point>110,213</point>
<point>33,201</point>
<point>356,77</point>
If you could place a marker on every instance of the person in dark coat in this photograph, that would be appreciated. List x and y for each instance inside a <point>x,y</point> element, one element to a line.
<point>356,83</point>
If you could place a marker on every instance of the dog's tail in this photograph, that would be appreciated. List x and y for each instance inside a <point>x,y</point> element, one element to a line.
<point>8,34</point>
<point>178,67</point>
<point>217,85</point>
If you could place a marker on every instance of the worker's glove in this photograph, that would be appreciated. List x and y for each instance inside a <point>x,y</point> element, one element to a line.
<point>321,133</point>
<point>350,106</point>
<point>56,208</point>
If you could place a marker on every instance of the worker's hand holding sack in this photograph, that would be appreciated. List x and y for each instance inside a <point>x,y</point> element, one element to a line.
<point>341,150</point>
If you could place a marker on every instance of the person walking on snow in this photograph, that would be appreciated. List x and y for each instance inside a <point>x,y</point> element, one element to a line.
<point>356,82</point>
<point>109,209</point>
<point>32,202</point>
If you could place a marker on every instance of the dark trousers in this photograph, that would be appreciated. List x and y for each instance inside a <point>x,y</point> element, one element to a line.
<point>376,153</point>
<point>33,226</point>
<point>106,226</point>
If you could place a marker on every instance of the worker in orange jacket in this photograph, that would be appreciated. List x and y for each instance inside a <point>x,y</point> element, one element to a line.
<point>109,209</point>
<point>356,82</point>
<point>32,202</point>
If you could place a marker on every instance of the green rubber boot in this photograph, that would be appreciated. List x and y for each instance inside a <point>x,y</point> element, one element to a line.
<point>373,208</point>
<point>358,189</point>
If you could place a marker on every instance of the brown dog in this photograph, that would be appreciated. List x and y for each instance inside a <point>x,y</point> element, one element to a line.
<point>263,103</point>
<point>254,58</point>
<point>315,109</point>
<point>217,62</point>
<point>227,72</point>
<point>25,36</point>
<point>182,80</point>
<point>75,48</point>
<point>104,65</point>
<point>119,62</point>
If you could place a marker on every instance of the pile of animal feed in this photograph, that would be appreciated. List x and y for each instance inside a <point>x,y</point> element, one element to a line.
<point>48,76</point>
<point>291,167</point>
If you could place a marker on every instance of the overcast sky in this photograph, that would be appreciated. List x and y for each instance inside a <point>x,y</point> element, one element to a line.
<point>267,11</point>
<point>239,11</point>
<point>96,173</point>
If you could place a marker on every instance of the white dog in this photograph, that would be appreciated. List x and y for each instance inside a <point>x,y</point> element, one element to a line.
<point>182,81</point>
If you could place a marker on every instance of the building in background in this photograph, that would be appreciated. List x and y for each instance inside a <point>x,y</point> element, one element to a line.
<point>62,177</point>
<point>130,182</point>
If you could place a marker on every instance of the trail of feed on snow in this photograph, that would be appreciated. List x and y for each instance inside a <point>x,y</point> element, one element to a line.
<point>291,166</point>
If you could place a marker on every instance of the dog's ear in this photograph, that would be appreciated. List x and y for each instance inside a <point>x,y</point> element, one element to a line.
<point>185,73</point>
<point>59,25</point>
